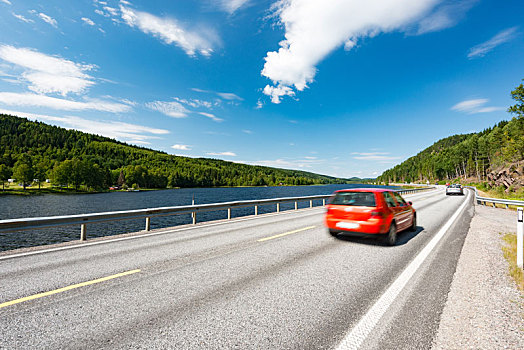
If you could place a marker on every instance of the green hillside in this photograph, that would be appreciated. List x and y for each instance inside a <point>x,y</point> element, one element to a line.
<point>493,157</point>
<point>34,150</point>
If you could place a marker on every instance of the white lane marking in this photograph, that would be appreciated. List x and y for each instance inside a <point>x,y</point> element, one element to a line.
<point>359,333</point>
<point>240,219</point>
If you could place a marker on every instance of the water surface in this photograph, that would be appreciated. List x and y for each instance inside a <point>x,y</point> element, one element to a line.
<point>12,207</point>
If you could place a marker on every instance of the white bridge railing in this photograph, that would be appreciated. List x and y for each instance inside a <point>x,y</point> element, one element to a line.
<point>13,225</point>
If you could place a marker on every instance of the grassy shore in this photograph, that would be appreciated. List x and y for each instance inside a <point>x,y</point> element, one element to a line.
<point>47,188</point>
<point>30,191</point>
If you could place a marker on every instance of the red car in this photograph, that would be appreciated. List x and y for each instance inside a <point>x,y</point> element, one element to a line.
<point>370,212</point>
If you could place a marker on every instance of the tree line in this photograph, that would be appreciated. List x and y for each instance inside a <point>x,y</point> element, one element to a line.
<point>31,150</point>
<point>469,155</point>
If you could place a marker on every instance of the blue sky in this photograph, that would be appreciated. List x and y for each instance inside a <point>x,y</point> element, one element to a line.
<point>341,87</point>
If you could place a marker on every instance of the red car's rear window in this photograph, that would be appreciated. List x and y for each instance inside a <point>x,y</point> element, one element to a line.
<point>360,199</point>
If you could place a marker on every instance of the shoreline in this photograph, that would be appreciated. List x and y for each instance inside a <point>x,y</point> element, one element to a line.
<point>38,192</point>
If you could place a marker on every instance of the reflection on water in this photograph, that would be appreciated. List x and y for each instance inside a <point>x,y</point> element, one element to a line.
<point>52,205</point>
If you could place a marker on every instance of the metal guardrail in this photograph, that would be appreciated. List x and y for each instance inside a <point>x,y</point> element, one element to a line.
<point>12,225</point>
<point>493,201</point>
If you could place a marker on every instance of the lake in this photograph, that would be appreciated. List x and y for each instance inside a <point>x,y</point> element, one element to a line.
<point>12,207</point>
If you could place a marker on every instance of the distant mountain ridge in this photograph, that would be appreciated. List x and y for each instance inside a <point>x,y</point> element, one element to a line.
<point>476,157</point>
<point>98,162</point>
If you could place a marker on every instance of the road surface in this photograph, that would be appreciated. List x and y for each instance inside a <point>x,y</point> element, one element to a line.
<point>276,281</point>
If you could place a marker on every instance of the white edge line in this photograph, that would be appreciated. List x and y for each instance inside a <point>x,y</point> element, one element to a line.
<point>359,333</point>
<point>240,219</point>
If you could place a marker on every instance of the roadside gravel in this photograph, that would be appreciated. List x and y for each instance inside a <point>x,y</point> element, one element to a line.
<point>484,309</point>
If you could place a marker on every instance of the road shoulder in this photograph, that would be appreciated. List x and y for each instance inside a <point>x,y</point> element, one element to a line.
<point>484,309</point>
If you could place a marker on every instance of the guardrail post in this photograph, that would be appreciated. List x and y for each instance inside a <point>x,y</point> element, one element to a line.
<point>229,213</point>
<point>520,237</point>
<point>278,207</point>
<point>296,205</point>
<point>193,214</point>
<point>83,232</point>
<point>311,203</point>
<point>507,206</point>
<point>324,202</point>
<point>148,223</point>
<point>494,205</point>
<point>256,209</point>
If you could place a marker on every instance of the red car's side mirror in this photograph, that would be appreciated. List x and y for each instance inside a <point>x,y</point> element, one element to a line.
<point>410,203</point>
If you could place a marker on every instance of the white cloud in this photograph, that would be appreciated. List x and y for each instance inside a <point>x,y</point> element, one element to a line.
<point>172,109</point>
<point>445,16</point>
<point>170,31</point>
<point>225,95</point>
<point>195,103</point>
<point>502,37</point>
<point>276,92</point>
<point>181,147</point>
<point>111,10</point>
<point>211,116</point>
<point>199,90</point>
<point>88,21</point>
<point>228,154</point>
<point>48,19</point>
<point>23,19</point>
<point>34,100</point>
<point>246,131</point>
<point>6,2</point>
<point>48,74</point>
<point>313,29</point>
<point>177,109</point>
<point>102,13</point>
<point>114,129</point>
<point>475,106</point>
<point>231,6</point>
<point>289,163</point>
<point>382,156</point>
<point>229,96</point>
<point>121,100</point>
<point>142,143</point>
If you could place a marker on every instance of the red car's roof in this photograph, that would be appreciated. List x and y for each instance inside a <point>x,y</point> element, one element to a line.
<point>368,189</point>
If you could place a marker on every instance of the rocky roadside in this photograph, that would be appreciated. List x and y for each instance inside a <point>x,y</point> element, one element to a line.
<point>484,309</point>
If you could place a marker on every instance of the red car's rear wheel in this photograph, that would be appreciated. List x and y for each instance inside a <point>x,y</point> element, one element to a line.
<point>391,238</point>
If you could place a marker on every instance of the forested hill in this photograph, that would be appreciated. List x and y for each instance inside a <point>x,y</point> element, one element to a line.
<point>494,156</point>
<point>34,150</point>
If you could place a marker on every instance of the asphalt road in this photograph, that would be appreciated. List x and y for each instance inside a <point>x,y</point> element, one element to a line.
<point>270,282</point>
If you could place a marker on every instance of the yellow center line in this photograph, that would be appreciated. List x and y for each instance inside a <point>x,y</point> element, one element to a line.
<point>64,289</point>
<point>286,233</point>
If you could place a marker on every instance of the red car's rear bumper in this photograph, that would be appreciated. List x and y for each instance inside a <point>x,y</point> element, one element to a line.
<point>369,227</point>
